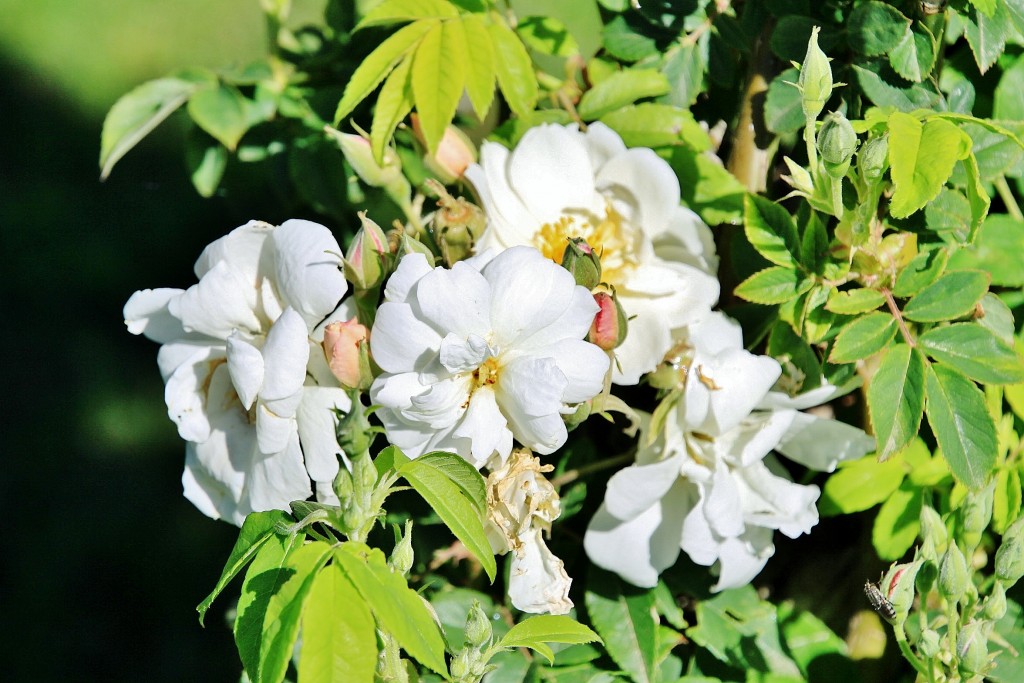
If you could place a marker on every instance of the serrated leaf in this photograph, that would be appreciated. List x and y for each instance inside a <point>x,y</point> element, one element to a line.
<point>814,244</point>
<point>987,35</point>
<point>885,94</point>
<point>136,114</point>
<point>976,196</point>
<point>773,285</point>
<point>656,125</point>
<point>281,622</point>
<point>256,529</point>
<point>336,649</point>
<point>783,105</point>
<point>547,628</point>
<point>620,89</point>
<point>626,45</point>
<point>395,11</point>
<point>854,301</point>
<point>221,111</point>
<point>860,485</point>
<point>625,619</point>
<point>458,470</point>
<point>771,230</point>
<point>962,425</point>
<point>1006,503</point>
<point>267,572</point>
<point>1008,98</point>
<point>863,337</point>
<point>375,68</point>
<point>399,609</point>
<point>914,56</point>
<point>684,67</point>
<point>896,399</point>
<point>707,187</point>
<point>921,158</point>
<point>950,211</point>
<point>897,523</point>
<point>455,499</point>
<point>924,269</point>
<point>952,296</point>
<point>975,351</point>
<point>996,251</point>
<point>393,104</point>
<point>874,28</point>
<point>996,317</point>
<point>438,78</point>
<point>480,73</point>
<point>515,70</point>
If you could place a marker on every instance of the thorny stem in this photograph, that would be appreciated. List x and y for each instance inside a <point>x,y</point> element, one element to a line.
<point>1012,208</point>
<point>572,475</point>
<point>891,303</point>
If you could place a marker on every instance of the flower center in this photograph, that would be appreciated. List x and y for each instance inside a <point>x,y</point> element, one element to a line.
<point>486,373</point>
<point>609,235</point>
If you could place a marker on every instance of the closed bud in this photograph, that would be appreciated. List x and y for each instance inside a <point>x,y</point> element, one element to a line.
<point>364,474</point>
<point>815,82</point>
<point>354,431</point>
<point>577,416</point>
<point>453,156</point>
<point>461,665</point>
<point>407,244</point>
<point>402,556</point>
<point>610,325</point>
<point>953,576</point>
<point>478,627</point>
<point>926,576</point>
<point>995,603</point>
<point>1010,555</point>
<point>347,349</point>
<point>972,650</point>
<point>933,533</point>
<point>930,644</point>
<point>359,156</point>
<point>873,158</point>
<point>457,225</point>
<point>366,263</point>
<point>975,514</point>
<point>898,585</point>
<point>837,141</point>
<point>580,260</point>
<point>343,487</point>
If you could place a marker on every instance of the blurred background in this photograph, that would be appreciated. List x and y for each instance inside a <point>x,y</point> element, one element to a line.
<point>102,559</point>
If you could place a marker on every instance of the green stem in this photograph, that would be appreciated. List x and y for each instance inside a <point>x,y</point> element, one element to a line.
<point>1012,208</point>
<point>812,148</point>
<point>837,196</point>
<point>908,653</point>
<point>891,303</point>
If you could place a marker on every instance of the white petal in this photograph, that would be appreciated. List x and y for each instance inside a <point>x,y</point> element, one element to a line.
<point>508,222</point>
<point>686,239</point>
<point>459,354</point>
<point>214,498</point>
<point>400,342</point>
<point>602,144</point>
<point>821,444</point>
<point>738,381</point>
<point>533,385</point>
<point>219,303</point>
<point>191,388</point>
<point>277,479</point>
<point>244,249</point>
<point>634,489</point>
<point>743,558</point>
<point>550,171</point>
<point>285,355</point>
<point>649,182</point>
<point>528,293</point>
<point>245,363</point>
<point>584,366</point>
<point>815,397</point>
<point>714,333</point>
<point>410,271</point>
<point>485,428</point>
<point>537,581</point>
<point>774,502</point>
<point>754,438</point>
<point>146,313</point>
<point>308,269</point>
<point>441,405</point>
<point>273,432</point>
<point>722,505</point>
<point>455,300</point>
<point>574,323</point>
<point>316,423</point>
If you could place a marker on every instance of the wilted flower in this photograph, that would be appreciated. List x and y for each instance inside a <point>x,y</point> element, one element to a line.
<point>560,183</point>
<point>488,351</point>
<point>707,483</point>
<point>247,382</point>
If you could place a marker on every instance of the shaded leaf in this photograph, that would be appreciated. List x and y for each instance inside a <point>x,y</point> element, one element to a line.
<point>625,619</point>
<point>874,28</point>
<point>898,522</point>
<point>987,35</point>
<point>914,56</point>
<point>222,112</point>
<point>962,425</point>
<point>783,105</point>
<point>771,230</point>
<point>885,94</point>
<point>996,251</point>
<point>619,89</point>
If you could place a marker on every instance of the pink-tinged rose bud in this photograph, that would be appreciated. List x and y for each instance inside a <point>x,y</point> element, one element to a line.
<point>366,262</point>
<point>359,154</point>
<point>609,327</point>
<point>345,345</point>
<point>453,156</point>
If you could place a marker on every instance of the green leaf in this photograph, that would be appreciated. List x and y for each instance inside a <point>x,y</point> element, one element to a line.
<point>1006,503</point>
<point>921,159</point>
<point>281,622</point>
<point>395,11</point>
<point>976,195</point>
<point>896,399</point>
<point>884,94</point>
<point>684,66</point>
<point>997,317</point>
<point>986,7</point>
<point>953,295</point>
<point>264,577</point>
<point>480,73</point>
<point>962,425</point>
<point>914,56</point>
<point>987,35</point>
<point>875,28</point>
<point>221,111</point>
<point>515,70</point>
<point>455,497</point>
<point>783,105</point>
<point>136,114</point>
<point>656,125</point>
<point>950,211</point>
<point>924,269</point>
<point>256,529</point>
<point>814,245</point>
<point>626,45</point>
<point>379,64</point>
<point>438,78</point>
<point>861,484</point>
<point>997,251</point>
<point>771,230</point>
<point>393,104</point>
<point>813,645</point>
<point>773,285</point>
<point>620,89</point>
<point>547,36</point>
<point>1008,98</point>
<point>207,159</point>
<point>854,301</point>
<point>399,610</point>
<point>336,648</point>
<point>898,522</point>
<point>458,470</point>
<point>707,187</point>
<point>975,351</point>
<point>783,342</point>
<point>863,337</point>
<point>625,618</point>
<point>547,628</point>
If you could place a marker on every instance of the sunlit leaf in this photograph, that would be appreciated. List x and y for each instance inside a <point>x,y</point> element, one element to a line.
<point>336,649</point>
<point>864,337</point>
<point>961,423</point>
<point>896,398</point>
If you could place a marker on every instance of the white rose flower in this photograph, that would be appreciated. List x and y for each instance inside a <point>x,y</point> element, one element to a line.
<point>484,353</point>
<point>521,505</point>
<point>560,183</point>
<point>247,382</point>
<point>709,485</point>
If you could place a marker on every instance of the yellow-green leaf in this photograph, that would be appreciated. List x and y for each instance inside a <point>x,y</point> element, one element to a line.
<point>962,424</point>
<point>335,649</point>
<point>395,11</point>
<point>921,157</point>
<point>515,70</point>
<point>480,66</point>
<point>438,78</point>
<point>393,104</point>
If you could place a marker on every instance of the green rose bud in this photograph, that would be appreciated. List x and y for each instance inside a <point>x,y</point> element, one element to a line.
<point>995,603</point>
<point>478,627</point>
<point>354,431</point>
<point>580,260</point>
<point>975,514</point>
<point>407,244</point>
<point>972,649</point>
<point>1010,555</point>
<point>456,225</point>
<point>578,416</point>
<point>837,141</point>
<point>359,156</point>
<point>933,533</point>
<point>815,82</point>
<point>953,574</point>
<point>898,585</point>
<point>343,487</point>
<point>873,158</point>
<point>930,644</point>
<point>461,665</point>
<point>368,257</point>
<point>610,325</point>
<point>402,556</point>
<point>926,576</point>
